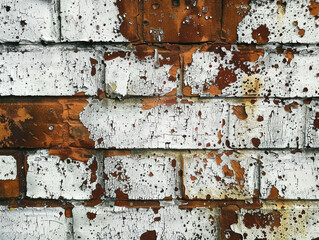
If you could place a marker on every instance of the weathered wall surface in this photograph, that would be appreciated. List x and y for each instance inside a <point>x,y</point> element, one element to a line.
<point>159,119</point>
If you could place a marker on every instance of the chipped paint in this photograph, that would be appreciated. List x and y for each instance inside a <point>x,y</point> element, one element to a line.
<point>49,71</point>
<point>8,166</point>
<point>50,177</point>
<point>168,223</point>
<point>220,175</point>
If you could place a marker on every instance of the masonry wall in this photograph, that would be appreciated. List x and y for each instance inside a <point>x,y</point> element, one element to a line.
<point>159,119</point>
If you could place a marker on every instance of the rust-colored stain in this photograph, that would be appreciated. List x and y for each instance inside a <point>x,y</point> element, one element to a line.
<point>261,220</point>
<point>78,154</point>
<point>301,32</point>
<point>314,8</point>
<point>239,172</point>
<point>261,34</point>
<point>291,105</point>
<point>235,10</point>
<point>225,77</point>
<point>149,235</point>
<point>227,172</point>
<point>240,112</point>
<point>316,121</point>
<point>289,54</point>
<point>213,90</point>
<point>187,21</point>
<point>91,215</point>
<point>274,193</point>
<point>255,142</point>
<point>149,103</point>
<point>120,194</point>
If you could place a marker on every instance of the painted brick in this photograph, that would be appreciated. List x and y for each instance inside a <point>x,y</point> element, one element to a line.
<point>182,21</point>
<point>237,71</point>
<point>11,178</point>
<point>99,21</point>
<point>29,21</point>
<point>49,71</point>
<point>50,177</point>
<point>143,71</point>
<point>220,175</point>
<point>170,222</point>
<point>33,223</point>
<point>279,22</point>
<point>143,175</point>
<point>155,123</point>
<point>290,220</point>
<point>289,175</point>
<point>312,125</point>
<point>42,123</point>
<point>267,124</point>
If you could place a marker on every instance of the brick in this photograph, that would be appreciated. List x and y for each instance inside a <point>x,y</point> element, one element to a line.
<point>29,21</point>
<point>34,223</point>
<point>289,175</point>
<point>166,223</point>
<point>220,175</point>
<point>49,71</point>
<point>238,71</point>
<point>289,220</point>
<point>155,123</point>
<point>50,177</point>
<point>143,175</point>
<point>267,124</point>
<point>312,125</point>
<point>143,71</point>
<point>99,21</point>
<point>182,21</point>
<point>42,123</point>
<point>274,22</point>
<point>11,178</point>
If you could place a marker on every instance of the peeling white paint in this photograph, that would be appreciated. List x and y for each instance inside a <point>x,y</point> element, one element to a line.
<point>131,223</point>
<point>49,71</point>
<point>85,20</point>
<point>293,175</point>
<point>268,125</point>
<point>134,77</point>
<point>282,21</point>
<point>50,177</point>
<point>144,175</point>
<point>272,75</point>
<point>8,168</point>
<point>312,124</point>
<point>298,220</point>
<point>124,124</point>
<point>29,21</point>
<point>33,224</point>
<point>220,175</point>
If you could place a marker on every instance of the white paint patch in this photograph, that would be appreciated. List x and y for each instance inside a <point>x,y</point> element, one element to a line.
<point>268,125</point>
<point>130,76</point>
<point>33,223</point>
<point>131,223</point>
<point>220,175</point>
<point>272,75</point>
<point>144,175</point>
<point>29,21</point>
<point>8,168</point>
<point>284,23</point>
<point>50,177</point>
<point>293,175</point>
<point>124,124</point>
<point>297,220</point>
<point>85,20</point>
<point>49,71</point>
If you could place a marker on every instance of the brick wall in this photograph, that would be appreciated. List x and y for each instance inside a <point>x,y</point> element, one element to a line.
<point>159,119</point>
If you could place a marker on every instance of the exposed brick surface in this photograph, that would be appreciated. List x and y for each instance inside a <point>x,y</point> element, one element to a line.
<point>159,119</point>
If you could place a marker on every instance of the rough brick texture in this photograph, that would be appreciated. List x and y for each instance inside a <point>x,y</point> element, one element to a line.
<point>159,119</point>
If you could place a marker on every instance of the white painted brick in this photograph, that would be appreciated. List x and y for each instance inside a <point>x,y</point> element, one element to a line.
<point>289,73</point>
<point>179,124</point>
<point>132,75</point>
<point>49,71</point>
<point>8,168</point>
<point>267,124</point>
<point>130,223</point>
<point>50,177</point>
<point>220,175</point>
<point>86,20</point>
<point>292,175</point>
<point>143,175</point>
<point>33,223</point>
<point>312,124</point>
<point>293,220</point>
<point>283,23</point>
<point>29,21</point>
